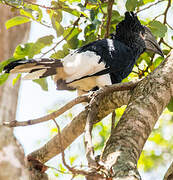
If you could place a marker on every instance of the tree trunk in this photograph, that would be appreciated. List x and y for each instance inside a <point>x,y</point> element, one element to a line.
<point>149,99</point>
<point>11,154</point>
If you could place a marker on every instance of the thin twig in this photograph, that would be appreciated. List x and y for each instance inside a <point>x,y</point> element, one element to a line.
<point>11,5</point>
<point>157,16</point>
<point>165,43</point>
<point>59,170</point>
<point>21,7</point>
<point>169,26</point>
<point>166,11</point>
<point>62,148</point>
<point>101,7</point>
<point>71,169</point>
<point>80,99</point>
<point>42,6</point>
<point>88,139</point>
<point>149,6</point>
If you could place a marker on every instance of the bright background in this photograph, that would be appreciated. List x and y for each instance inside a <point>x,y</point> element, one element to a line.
<point>34,102</point>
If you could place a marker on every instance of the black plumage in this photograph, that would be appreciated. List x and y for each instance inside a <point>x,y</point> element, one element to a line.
<point>98,63</point>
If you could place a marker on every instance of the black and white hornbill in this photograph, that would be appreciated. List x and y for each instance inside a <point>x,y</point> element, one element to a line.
<point>99,63</point>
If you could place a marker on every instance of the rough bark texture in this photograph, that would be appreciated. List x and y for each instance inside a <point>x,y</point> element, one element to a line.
<point>11,154</point>
<point>169,173</point>
<point>76,127</point>
<point>148,101</point>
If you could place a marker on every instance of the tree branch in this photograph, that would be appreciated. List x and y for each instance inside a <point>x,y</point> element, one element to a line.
<point>80,99</point>
<point>77,125</point>
<point>149,6</point>
<point>169,173</point>
<point>88,137</point>
<point>149,99</point>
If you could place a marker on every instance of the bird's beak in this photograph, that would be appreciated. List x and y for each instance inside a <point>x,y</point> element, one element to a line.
<point>151,43</point>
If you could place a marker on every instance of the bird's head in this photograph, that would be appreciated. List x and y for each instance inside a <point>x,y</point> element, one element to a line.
<point>131,31</point>
<point>150,42</point>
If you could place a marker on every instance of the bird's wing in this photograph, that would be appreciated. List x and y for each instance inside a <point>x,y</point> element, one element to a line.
<point>98,58</point>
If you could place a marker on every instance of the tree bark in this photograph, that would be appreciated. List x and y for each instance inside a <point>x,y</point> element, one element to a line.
<point>148,101</point>
<point>76,127</point>
<point>11,154</point>
<point>169,173</point>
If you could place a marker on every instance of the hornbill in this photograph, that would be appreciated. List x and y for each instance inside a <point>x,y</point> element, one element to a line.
<point>99,63</point>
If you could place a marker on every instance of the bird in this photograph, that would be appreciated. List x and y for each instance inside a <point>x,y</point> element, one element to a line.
<point>95,65</point>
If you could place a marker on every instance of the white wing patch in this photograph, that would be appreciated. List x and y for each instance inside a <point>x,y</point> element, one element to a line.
<point>103,80</point>
<point>82,64</point>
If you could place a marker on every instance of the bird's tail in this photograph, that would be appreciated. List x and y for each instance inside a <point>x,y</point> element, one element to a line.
<point>36,69</point>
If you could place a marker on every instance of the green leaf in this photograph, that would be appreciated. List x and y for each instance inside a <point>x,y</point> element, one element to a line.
<point>71,35</point>
<point>71,32</point>
<point>58,28</point>
<point>89,33</point>
<point>61,53</point>
<point>116,16</point>
<point>3,78</point>
<point>22,51</point>
<point>157,28</point>
<point>58,55</point>
<point>73,42</point>
<point>131,5</point>
<point>43,83</point>
<point>56,18</point>
<point>31,49</point>
<point>71,11</point>
<point>40,44</point>
<point>34,10</point>
<point>90,29</point>
<point>27,12</point>
<point>17,20</point>
<point>45,41</point>
<point>64,7</point>
<point>92,14</point>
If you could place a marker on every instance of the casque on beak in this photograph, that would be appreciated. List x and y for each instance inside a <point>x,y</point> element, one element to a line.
<point>151,43</point>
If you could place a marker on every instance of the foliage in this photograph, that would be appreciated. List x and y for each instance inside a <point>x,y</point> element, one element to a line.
<point>77,23</point>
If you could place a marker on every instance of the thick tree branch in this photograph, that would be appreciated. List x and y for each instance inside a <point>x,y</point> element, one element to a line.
<point>148,101</point>
<point>69,105</point>
<point>76,127</point>
<point>169,173</point>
